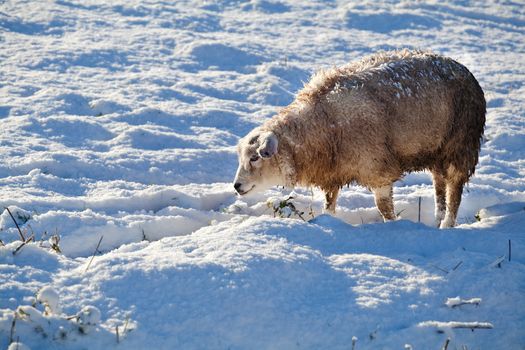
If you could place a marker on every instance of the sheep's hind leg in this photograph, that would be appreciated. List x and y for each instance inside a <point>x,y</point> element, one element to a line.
<point>440,191</point>
<point>331,200</point>
<point>454,192</point>
<point>385,202</point>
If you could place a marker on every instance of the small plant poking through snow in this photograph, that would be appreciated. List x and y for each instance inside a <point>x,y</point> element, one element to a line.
<point>51,323</point>
<point>88,318</point>
<point>284,208</point>
<point>477,216</point>
<point>48,297</point>
<point>28,312</point>
<point>53,243</point>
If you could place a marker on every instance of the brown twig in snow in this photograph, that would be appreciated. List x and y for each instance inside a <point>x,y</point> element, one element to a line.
<point>354,340</point>
<point>498,261</point>
<point>94,253</point>
<point>419,210</point>
<point>16,223</point>
<point>23,244</point>
<point>456,302</point>
<point>510,249</point>
<point>457,265</point>
<point>439,268</point>
<point>455,324</point>
<point>461,304</point>
<point>445,347</point>
<point>125,326</point>
<point>12,332</point>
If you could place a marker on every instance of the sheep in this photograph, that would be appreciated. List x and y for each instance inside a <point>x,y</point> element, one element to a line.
<point>369,122</point>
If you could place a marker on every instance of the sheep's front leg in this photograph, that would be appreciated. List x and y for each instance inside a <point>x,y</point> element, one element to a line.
<point>440,188</point>
<point>385,202</point>
<point>331,200</point>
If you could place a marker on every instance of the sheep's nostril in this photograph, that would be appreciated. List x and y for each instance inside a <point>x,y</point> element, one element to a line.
<point>237,186</point>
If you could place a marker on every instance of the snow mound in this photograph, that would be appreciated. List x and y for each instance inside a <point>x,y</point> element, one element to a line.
<point>88,318</point>
<point>48,297</point>
<point>289,281</point>
<point>18,346</point>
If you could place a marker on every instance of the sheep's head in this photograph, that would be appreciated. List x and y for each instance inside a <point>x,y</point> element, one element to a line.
<point>258,166</point>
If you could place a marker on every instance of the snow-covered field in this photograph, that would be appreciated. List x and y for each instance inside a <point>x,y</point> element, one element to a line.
<point>119,121</point>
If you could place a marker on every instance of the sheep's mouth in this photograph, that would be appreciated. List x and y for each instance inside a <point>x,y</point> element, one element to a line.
<point>242,193</point>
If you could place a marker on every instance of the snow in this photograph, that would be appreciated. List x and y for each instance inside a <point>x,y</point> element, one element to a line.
<point>119,122</point>
<point>18,346</point>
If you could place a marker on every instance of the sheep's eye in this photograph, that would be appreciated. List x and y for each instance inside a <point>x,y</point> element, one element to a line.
<point>254,158</point>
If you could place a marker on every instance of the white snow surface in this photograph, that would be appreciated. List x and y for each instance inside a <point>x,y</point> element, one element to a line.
<point>118,126</point>
<point>18,346</point>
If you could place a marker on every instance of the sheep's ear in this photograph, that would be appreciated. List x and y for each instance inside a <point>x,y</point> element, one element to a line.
<point>268,145</point>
